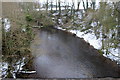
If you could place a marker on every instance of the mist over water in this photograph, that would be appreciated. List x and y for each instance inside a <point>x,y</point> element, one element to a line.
<point>61,55</point>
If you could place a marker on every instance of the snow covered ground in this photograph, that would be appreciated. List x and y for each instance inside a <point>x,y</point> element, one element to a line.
<point>6,24</point>
<point>4,68</point>
<point>89,37</point>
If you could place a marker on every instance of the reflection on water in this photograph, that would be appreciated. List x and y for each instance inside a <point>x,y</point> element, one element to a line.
<point>62,55</point>
<point>97,44</point>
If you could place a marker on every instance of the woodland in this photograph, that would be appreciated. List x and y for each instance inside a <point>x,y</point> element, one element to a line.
<point>21,20</point>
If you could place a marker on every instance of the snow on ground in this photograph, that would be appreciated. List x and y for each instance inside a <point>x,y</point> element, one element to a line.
<point>89,38</point>
<point>4,67</point>
<point>62,8</point>
<point>7,24</point>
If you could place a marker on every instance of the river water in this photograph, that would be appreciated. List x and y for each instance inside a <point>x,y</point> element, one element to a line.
<point>60,54</point>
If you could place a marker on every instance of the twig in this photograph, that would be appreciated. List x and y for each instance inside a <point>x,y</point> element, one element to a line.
<point>115,55</point>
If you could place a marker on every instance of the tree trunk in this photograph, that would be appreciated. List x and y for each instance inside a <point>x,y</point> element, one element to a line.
<point>78,5</point>
<point>87,4</point>
<point>59,8</point>
<point>118,9</point>
<point>93,4</point>
<point>51,6</point>
<point>47,6</point>
<point>56,5</point>
<point>118,27</point>
<point>84,5</point>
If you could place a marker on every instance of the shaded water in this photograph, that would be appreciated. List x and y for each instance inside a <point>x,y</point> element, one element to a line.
<point>59,54</point>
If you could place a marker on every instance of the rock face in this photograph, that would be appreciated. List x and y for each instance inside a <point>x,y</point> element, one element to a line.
<point>59,54</point>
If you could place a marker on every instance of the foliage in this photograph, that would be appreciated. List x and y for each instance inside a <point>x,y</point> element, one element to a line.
<point>16,41</point>
<point>106,25</point>
<point>36,18</point>
<point>101,52</point>
<point>15,45</point>
<point>28,18</point>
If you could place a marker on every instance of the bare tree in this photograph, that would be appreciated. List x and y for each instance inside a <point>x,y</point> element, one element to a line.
<point>93,4</point>
<point>87,4</point>
<point>78,5</point>
<point>59,5</point>
<point>118,11</point>
<point>56,5</point>
<point>51,5</point>
<point>72,8</point>
<point>84,5</point>
<point>47,5</point>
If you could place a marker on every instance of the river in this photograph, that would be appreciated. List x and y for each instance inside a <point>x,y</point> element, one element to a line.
<point>60,54</point>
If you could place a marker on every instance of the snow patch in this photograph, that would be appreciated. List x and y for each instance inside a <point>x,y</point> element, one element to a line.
<point>6,24</point>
